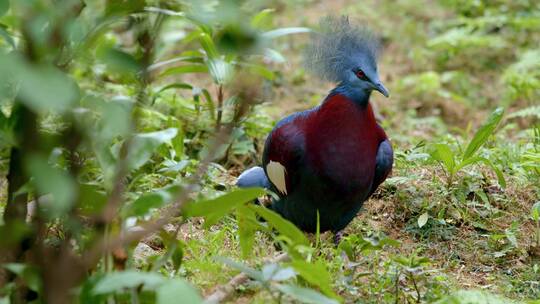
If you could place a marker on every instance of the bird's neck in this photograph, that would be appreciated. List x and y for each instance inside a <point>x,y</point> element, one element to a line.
<point>357,95</point>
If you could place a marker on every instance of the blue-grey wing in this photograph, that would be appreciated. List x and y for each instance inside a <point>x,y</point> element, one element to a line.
<point>383,164</point>
<point>253,177</point>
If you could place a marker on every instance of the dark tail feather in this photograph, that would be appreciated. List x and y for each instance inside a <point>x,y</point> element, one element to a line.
<point>253,177</point>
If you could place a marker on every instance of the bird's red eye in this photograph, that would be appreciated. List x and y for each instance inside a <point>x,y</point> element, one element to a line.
<point>361,75</point>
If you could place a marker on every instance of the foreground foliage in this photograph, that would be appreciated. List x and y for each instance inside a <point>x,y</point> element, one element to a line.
<point>123,124</point>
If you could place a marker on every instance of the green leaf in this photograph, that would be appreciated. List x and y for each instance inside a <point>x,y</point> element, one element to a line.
<point>535,211</point>
<point>45,88</point>
<point>119,61</point>
<point>176,291</point>
<point>484,132</point>
<point>29,274</point>
<point>316,274</point>
<point>422,219</point>
<point>247,225</point>
<point>305,295</point>
<point>118,281</point>
<point>208,46</point>
<point>262,19</point>
<point>500,176</point>
<point>55,181</point>
<point>213,210</point>
<point>185,69</point>
<point>444,154</point>
<point>282,225</point>
<point>220,70</point>
<point>7,37</point>
<point>4,7</point>
<point>152,200</point>
<point>177,255</point>
<point>252,273</point>
<point>143,145</point>
<point>91,199</point>
<point>473,297</point>
<point>285,31</point>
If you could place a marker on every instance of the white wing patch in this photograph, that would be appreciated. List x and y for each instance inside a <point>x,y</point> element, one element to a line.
<point>276,174</point>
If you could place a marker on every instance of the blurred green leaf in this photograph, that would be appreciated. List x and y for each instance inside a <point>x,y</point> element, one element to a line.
<point>123,7</point>
<point>142,205</point>
<point>118,281</point>
<point>92,199</point>
<point>143,145</point>
<point>246,229</point>
<point>185,69</point>
<point>119,61</point>
<point>4,7</point>
<point>285,31</point>
<point>473,297</point>
<point>220,70</point>
<point>252,273</point>
<point>58,183</point>
<point>175,291</point>
<point>316,274</point>
<point>282,225</point>
<point>484,132</point>
<point>29,274</point>
<point>423,219</point>
<point>215,209</point>
<point>45,88</point>
<point>305,295</point>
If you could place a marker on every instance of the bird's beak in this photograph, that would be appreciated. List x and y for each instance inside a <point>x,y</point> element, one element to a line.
<point>380,87</point>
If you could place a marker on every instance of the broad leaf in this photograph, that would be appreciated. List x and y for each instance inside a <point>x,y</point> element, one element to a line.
<point>444,154</point>
<point>152,200</point>
<point>176,291</point>
<point>535,211</point>
<point>143,145</point>
<point>422,219</point>
<point>316,274</point>
<point>252,273</point>
<point>282,225</point>
<point>213,210</point>
<point>118,281</point>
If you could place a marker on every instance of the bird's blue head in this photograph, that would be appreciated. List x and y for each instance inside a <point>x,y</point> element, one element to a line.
<point>347,55</point>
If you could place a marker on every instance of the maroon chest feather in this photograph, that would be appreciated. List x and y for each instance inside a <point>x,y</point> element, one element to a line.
<point>342,139</point>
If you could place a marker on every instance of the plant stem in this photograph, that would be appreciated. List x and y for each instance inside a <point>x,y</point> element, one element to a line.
<point>219,107</point>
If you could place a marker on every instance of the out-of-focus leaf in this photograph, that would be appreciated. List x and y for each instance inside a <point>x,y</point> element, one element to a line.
<point>282,225</point>
<point>45,88</point>
<point>177,255</point>
<point>4,7</point>
<point>185,69</point>
<point>143,145</point>
<point>55,181</point>
<point>263,19</point>
<point>252,273</point>
<point>285,31</point>
<point>246,229</point>
<point>484,132</point>
<point>7,37</point>
<point>118,281</point>
<point>208,46</point>
<point>305,295</point>
<point>192,59</point>
<point>92,199</point>
<point>473,297</point>
<point>220,70</point>
<point>215,209</point>
<point>29,274</point>
<point>123,7</point>
<point>119,61</point>
<point>176,291</point>
<point>148,201</point>
<point>272,272</point>
<point>316,274</point>
<point>422,219</point>
<point>535,211</point>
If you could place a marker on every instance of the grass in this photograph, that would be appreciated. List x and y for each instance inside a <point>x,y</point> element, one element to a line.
<point>477,235</point>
